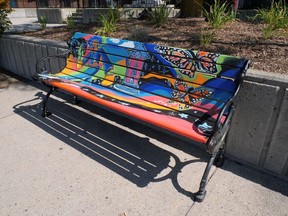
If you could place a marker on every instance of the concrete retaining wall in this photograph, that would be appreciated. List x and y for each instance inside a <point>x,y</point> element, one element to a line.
<point>259,130</point>
<point>59,15</point>
<point>55,15</point>
<point>92,14</point>
<point>23,12</point>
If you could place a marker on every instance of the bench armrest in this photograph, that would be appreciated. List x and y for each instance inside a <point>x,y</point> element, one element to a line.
<point>221,129</point>
<point>229,103</point>
<point>43,70</point>
<point>218,138</point>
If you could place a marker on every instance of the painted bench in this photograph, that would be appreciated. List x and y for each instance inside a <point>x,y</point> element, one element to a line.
<point>185,92</point>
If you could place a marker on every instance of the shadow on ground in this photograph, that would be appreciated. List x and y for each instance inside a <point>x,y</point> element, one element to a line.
<point>132,156</point>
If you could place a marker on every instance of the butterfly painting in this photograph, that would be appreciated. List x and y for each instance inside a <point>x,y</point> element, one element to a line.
<point>188,61</point>
<point>188,95</point>
<point>206,62</point>
<point>180,58</point>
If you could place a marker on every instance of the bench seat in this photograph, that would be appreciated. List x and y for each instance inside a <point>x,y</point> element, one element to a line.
<point>167,84</point>
<point>187,92</point>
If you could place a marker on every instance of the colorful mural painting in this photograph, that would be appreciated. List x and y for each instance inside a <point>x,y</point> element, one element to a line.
<point>166,82</point>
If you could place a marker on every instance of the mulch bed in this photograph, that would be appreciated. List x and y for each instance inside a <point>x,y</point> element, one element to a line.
<point>240,38</point>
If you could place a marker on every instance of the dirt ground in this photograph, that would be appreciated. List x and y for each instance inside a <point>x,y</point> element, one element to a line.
<point>240,38</point>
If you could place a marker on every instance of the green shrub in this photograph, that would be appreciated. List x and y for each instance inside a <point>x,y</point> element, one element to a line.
<point>108,26</point>
<point>206,37</point>
<point>5,22</point>
<point>70,22</point>
<point>114,14</point>
<point>159,15</point>
<point>108,22</point>
<point>275,17</point>
<point>43,21</point>
<point>218,14</point>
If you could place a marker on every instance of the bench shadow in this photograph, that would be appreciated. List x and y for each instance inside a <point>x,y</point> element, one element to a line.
<point>32,114</point>
<point>131,156</point>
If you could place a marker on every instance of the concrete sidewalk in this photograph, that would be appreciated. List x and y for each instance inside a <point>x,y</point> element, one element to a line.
<point>83,160</point>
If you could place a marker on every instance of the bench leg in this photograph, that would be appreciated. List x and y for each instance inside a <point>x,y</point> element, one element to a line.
<point>45,112</point>
<point>200,195</point>
<point>220,156</point>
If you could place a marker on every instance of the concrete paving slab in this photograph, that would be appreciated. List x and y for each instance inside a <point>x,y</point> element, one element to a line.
<point>238,190</point>
<point>75,162</point>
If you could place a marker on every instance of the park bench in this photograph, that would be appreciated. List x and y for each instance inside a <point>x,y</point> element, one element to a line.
<point>185,92</point>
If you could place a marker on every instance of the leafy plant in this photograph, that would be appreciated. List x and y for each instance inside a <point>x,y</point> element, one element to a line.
<point>206,37</point>
<point>43,21</point>
<point>218,14</point>
<point>268,32</point>
<point>275,17</point>
<point>108,26</point>
<point>114,14</point>
<point>5,22</point>
<point>108,22</point>
<point>159,15</point>
<point>70,22</point>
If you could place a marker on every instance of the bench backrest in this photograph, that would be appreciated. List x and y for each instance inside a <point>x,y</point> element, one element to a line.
<point>164,79</point>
